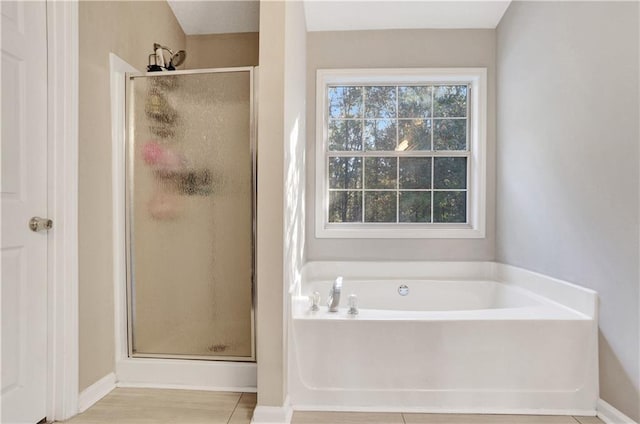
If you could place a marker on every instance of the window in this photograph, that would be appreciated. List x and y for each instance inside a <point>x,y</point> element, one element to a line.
<point>400,153</point>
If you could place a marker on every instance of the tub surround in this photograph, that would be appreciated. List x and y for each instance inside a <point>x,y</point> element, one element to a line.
<point>473,337</point>
<point>576,297</point>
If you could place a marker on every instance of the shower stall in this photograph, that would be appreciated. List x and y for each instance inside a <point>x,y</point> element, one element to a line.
<point>190,218</point>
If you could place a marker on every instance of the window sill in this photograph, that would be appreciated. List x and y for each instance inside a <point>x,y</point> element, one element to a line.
<point>374,231</point>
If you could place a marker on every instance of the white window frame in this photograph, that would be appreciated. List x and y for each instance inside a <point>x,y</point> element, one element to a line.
<point>476,200</point>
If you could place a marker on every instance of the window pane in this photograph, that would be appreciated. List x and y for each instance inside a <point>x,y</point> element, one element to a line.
<point>450,173</point>
<point>345,172</point>
<point>380,206</point>
<point>414,102</point>
<point>450,206</point>
<point>345,102</point>
<point>380,102</point>
<point>414,134</point>
<point>380,173</point>
<point>415,173</point>
<point>415,206</point>
<point>345,206</point>
<point>345,135</point>
<point>380,134</point>
<point>450,101</point>
<point>450,134</point>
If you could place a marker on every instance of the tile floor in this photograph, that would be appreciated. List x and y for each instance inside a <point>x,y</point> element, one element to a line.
<point>157,406</point>
<point>161,406</point>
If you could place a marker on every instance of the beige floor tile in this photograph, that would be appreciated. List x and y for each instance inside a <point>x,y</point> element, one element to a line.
<point>301,417</point>
<point>589,420</point>
<point>244,409</point>
<point>486,419</point>
<point>158,406</point>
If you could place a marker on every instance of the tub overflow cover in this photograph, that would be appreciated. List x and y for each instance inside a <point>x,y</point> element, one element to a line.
<point>403,290</point>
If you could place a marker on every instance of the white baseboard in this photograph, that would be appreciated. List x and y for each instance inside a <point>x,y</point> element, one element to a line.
<point>89,396</point>
<point>431,410</point>
<point>611,415</point>
<point>273,414</point>
<point>186,374</point>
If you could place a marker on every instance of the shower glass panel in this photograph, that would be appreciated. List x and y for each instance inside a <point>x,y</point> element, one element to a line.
<point>190,214</point>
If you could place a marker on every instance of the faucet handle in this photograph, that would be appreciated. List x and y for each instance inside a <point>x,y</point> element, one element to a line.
<point>353,304</point>
<point>315,301</point>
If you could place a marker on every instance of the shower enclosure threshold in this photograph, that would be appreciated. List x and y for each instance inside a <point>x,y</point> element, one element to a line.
<point>218,358</point>
<point>187,374</point>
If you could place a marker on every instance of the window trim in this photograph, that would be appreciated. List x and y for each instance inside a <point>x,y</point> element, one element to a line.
<point>476,206</point>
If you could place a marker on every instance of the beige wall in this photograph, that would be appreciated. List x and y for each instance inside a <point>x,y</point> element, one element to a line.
<point>397,49</point>
<point>129,30</point>
<point>222,50</point>
<point>281,186</point>
<point>568,164</point>
<point>270,315</point>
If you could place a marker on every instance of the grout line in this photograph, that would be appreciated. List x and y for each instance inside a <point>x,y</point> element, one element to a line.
<point>234,408</point>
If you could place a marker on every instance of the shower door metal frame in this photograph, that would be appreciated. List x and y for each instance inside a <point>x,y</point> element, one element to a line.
<point>129,186</point>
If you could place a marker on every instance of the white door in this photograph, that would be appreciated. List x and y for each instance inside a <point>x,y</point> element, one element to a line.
<point>24,194</point>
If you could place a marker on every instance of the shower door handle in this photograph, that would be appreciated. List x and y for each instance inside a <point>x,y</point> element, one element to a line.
<point>38,224</point>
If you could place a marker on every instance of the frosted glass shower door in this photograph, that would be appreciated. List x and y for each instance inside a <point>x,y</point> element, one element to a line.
<point>190,214</point>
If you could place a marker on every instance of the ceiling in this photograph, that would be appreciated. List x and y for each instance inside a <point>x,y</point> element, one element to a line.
<point>229,16</point>
<point>217,16</point>
<point>331,15</point>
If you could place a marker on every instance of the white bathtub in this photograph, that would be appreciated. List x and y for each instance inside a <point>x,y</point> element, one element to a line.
<point>469,337</point>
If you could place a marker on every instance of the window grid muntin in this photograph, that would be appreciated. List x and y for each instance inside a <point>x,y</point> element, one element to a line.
<point>431,189</point>
<point>363,153</point>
